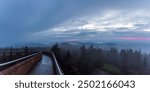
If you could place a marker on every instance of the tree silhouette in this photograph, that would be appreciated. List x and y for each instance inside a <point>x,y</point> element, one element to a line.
<point>145,62</point>
<point>26,50</point>
<point>4,57</point>
<point>11,53</point>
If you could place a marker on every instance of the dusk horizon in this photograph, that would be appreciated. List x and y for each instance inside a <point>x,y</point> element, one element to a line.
<point>75,37</point>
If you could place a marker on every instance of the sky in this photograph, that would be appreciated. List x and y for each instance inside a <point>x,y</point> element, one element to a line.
<point>39,21</point>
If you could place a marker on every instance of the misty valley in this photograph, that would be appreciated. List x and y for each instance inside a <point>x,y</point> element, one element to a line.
<point>82,58</point>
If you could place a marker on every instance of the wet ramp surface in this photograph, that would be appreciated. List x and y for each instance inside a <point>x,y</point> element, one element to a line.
<point>44,67</point>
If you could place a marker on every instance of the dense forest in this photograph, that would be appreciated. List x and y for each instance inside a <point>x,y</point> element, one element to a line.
<point>91,60</point>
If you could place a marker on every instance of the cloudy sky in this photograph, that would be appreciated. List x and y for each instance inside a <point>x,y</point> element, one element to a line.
<point>23,21</point>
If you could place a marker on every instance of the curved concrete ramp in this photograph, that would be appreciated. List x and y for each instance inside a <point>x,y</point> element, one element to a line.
<point>44,67</point>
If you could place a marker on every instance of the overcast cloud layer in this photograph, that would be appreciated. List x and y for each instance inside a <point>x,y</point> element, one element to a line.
<point>47,20</point>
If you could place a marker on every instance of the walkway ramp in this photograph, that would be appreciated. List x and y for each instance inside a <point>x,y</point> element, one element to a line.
<point>44,67</point>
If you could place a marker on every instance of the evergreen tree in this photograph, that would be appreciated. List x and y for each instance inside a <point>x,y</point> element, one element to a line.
<point>11,53</point>
<point>26,50</point>
<point>145,62</point>
<point>4,57</point>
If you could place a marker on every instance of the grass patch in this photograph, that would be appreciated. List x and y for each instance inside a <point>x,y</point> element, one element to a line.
<point>111,69</point>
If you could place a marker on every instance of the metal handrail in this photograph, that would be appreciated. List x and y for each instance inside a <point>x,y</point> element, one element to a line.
<point>60,72</point>
<point>14,61</point>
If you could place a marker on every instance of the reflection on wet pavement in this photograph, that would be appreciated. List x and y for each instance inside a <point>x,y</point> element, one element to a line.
<point>44,67</point>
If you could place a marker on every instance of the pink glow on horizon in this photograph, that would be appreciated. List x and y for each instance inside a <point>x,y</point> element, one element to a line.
<point>134,38</point>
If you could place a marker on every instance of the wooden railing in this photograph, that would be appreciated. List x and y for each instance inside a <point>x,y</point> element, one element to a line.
<point>20,66</point>
<point>56,65</point>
